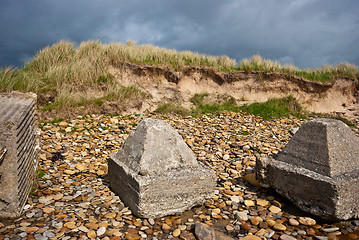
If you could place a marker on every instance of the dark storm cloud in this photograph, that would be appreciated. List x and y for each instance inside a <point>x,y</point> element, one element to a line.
<point>307,33</point>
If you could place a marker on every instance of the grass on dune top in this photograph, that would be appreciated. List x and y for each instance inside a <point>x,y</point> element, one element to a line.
<point>78,76</point>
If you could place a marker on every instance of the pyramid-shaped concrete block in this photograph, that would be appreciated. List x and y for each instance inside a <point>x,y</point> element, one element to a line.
<point>156,173</point>
<point>318,170</point>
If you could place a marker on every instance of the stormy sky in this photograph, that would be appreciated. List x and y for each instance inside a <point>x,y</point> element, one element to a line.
<point>306,33</point>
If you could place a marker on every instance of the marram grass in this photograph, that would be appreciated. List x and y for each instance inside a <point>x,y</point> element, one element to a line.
<point>70,74</point>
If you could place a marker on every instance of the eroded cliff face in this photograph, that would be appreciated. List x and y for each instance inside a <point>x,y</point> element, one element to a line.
<point>164,85</point>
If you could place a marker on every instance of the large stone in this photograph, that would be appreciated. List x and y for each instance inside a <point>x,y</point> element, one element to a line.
<point>18,151</point>
<point>318,170</point>
<point>156,173</point>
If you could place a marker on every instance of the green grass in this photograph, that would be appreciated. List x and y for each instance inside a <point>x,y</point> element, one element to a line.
<point>325,73</point>
<point>172,108</point>
<point>346,121</point>
<point>226,104</point>
<point>79,77</point>
<point>275,108</point>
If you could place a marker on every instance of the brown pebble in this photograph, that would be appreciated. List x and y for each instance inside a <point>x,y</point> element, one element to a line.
<point>187,236</point>
<point>279,227</point>
<point>287,237</point>
<point>176,232</point>
<point>307,221</point>
<point>91,234</point>
<point>271,222</point>
<point>166,227</point>
<point>229,228</point>
<point>293,222</point>
<point>263,225</point>
<point>203,231</point>
<point>274,209</point>
<point>246,226</point>
<point>250,237</point>
<point>31,229</point>
<point>310,232</point>
<point>256,220</point>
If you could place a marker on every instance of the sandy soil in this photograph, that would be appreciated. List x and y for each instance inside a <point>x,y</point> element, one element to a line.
<point>162,85</point>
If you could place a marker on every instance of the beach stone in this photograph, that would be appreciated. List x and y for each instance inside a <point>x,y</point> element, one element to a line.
<point>250,237</point>
<point>320,160</point>
<point>279,227</point>
<point>242,216</point>
<point>307,221</point>
<point>293,222</point>
<point>156,174</point>
<point>204,232</point>
<point>287,237</point>
<point>176,232</point>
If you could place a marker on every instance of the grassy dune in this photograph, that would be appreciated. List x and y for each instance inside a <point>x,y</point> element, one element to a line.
<point>68,76</point>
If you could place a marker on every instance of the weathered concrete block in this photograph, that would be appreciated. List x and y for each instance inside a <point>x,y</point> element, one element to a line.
<point>18,150</point>
<point>318,170</point>
<point>156,173</point>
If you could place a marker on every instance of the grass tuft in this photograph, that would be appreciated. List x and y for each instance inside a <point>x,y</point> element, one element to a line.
<point>172,108</point>
<point>275,108</point>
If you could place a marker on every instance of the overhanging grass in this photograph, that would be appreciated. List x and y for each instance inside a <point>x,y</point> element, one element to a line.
<point>325,73</point>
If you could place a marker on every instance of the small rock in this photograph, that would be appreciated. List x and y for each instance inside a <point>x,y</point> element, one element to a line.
<point>166,227</point>
<point>101,231</point>
<point>176,232</point>
<point>91,234</point>
<point>249,203</point>
<point>271,222</point>
<point>330,229</point>
<point>262,202</point>
<point>293,222</point>
<point>229,228</point>
<point>287,237</point>
<point>204,232</point>
<point>256,220</point>
<point>242,216</point>
<point>70,225</point>
<point>274,209</point>
<point>187,236</point>
<point>250,237</point>
<point>307,221</point>
<point>151,221</point>
<point>251,178</point>
<point>246,226</point>
<point>226,157</point>
<point>31,229</point>
<point>235,199</point>
<point>279,227</point>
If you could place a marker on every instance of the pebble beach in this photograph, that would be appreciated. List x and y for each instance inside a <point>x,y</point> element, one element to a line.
<point>72,198</point>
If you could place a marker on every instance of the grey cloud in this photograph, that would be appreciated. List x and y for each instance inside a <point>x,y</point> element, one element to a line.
<point>307,33</point>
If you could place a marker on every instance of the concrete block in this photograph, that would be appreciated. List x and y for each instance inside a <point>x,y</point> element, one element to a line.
<point>18,150</point>
<point>156,173</point>
<point>318,170</point>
